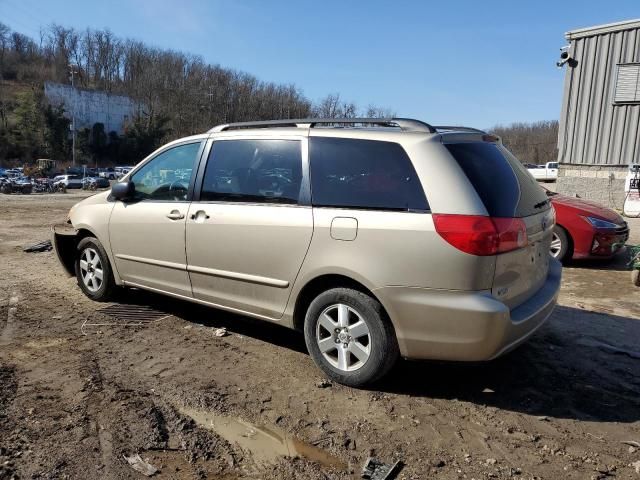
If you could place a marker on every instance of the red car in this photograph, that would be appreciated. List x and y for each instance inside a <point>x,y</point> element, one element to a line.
<point>585,230</point>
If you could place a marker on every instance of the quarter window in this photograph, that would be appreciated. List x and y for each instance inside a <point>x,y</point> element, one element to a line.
<point>262,171</point>
<point>167,176</point>
<point>363,174</point>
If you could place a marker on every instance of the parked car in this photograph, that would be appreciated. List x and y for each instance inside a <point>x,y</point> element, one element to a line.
<point>92,183</point>
<point>108,173</point>
<point>375,242</point>
<point>122,171</point>
<point>68,181</point>
<point>585,229</point>
<point>16,185</point>
<point>546,173</point>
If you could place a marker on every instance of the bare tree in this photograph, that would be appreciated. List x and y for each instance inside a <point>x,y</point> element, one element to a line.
<point>531,142</point>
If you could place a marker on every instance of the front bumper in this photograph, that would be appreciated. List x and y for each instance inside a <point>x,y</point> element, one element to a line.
<point>465,326</point>
<point>606,244</point>
<point>64,240</point>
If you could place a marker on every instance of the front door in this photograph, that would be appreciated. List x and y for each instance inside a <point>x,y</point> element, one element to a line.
<point>249,232</point>
<point>147,232</point>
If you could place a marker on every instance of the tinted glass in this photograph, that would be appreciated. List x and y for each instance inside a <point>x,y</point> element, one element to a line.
<point>365,174</point>
<point>504,185</point>
<point>264,171</point>
<point>167,176</point>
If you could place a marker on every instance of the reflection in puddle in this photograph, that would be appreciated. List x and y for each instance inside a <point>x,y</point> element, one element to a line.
<point>265,444</point>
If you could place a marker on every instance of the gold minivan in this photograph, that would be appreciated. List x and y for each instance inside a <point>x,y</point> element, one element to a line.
<point>377,238</point>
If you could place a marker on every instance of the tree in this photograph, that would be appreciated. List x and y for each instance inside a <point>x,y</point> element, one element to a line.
<point>143,136</point>
<point>98,143</point>
<point>56,133</point>
<point>531,142</point>
<point>27,134</point>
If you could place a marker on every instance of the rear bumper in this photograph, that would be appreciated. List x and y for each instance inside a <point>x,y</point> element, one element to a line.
<point>465,326</point>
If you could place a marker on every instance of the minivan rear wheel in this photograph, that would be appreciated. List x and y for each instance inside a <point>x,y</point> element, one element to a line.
<point>350,337</point>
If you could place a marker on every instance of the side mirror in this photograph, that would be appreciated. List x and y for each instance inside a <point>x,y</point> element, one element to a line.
<point>123,190</point>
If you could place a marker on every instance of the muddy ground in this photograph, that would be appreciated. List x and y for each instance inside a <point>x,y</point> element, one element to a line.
<point>77,396</point>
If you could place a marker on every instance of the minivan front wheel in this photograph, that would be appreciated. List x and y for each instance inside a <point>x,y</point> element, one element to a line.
<point>93,270</point>
<point>350,337</point>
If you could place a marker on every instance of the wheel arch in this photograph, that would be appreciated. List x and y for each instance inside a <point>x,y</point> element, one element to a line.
<point>83,231</point>
<point>324,282</point>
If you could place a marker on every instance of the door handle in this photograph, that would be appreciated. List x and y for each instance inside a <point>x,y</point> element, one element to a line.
<point>175,215</point>
<point>200,215</point>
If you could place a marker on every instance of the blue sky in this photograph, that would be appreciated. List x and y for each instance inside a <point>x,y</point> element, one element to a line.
<point>464,62</point>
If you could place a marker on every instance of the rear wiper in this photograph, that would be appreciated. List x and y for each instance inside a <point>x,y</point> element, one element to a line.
<point>541,204</point>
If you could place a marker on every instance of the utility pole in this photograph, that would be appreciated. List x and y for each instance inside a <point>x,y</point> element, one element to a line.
<point>72,69</point>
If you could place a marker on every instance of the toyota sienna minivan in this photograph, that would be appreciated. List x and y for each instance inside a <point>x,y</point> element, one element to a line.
<point>377,238</point>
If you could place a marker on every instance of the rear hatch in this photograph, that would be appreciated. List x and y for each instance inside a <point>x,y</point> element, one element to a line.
<point>508,190</point>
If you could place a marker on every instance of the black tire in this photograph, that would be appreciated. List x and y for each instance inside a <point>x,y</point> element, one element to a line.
<point>565,251</point>
<point>382,342</point>
<point>105,289</point>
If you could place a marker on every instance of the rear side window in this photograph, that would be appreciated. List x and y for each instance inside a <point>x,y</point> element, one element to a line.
<point>255,171</point>
<point>504,185</point>
<point>363,174</point>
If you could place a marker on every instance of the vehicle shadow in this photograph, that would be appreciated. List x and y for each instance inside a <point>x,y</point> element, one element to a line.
<point>617,263</point>
<point>215,318</point>
<point>568,369</point>
<point>580,365</point>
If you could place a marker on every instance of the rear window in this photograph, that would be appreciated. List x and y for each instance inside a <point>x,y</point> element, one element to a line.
<point>363,174</point>
<point>504,185</point>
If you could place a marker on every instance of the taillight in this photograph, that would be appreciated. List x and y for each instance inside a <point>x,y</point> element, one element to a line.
<point>479,235</point>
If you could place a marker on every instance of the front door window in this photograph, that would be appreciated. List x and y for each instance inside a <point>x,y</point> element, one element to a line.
<point>167,176</point>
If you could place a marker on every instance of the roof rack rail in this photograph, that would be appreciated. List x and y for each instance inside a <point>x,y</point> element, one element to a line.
<point>440,128</point>
<point>405,124</point>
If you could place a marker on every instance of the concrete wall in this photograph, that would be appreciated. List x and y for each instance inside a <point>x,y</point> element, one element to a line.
<point>90,106</point>
<point>601,183</point>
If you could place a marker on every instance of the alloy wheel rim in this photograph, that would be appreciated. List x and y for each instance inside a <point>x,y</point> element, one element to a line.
<point>556,245</point>
<point>343,337</point>
<point>91,269</point>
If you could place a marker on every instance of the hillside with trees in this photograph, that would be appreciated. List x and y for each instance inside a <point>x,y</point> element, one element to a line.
<point>180,93</point>
<point>535,142</point>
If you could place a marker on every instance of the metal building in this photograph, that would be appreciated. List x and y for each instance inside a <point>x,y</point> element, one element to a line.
<point>599,132</point>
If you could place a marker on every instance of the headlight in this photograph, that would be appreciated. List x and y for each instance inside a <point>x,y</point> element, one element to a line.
<point>599,223</point>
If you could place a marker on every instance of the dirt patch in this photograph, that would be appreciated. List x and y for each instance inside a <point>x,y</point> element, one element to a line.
<point>74,401</point>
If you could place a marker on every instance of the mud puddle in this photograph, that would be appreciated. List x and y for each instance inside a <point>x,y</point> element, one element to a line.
<point>264,443</point>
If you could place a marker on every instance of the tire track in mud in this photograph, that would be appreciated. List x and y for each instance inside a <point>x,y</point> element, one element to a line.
<point>94,411</point>
<point>10,319</point>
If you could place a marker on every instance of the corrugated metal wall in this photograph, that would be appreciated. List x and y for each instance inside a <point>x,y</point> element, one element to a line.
<point>592,130</point>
